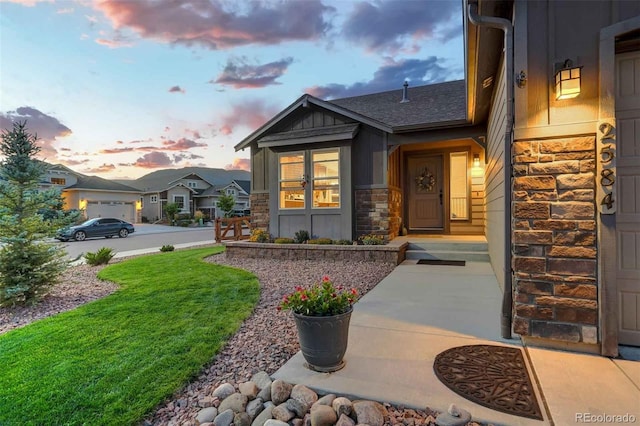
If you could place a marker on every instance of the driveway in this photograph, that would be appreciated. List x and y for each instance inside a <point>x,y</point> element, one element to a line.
<point>147,236</point>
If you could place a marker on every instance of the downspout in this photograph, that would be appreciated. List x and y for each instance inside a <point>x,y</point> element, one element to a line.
<point>506,26</point>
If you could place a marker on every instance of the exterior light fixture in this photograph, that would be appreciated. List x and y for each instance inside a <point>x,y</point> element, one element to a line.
<point>476,160</point>
<point>567,81</point>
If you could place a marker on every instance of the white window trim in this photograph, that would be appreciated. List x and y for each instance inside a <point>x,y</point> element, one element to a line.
<point>304,168</point>
<point>153,199</point>
<point>184,207</point>
<point>315,151</point>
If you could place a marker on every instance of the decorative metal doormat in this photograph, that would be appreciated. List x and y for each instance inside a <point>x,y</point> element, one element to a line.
<point>441,262</point>
<point>493,376</point>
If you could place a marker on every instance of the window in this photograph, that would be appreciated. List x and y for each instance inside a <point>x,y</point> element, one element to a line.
<point>58,181</point>
<point>326,179</point>
<point>153,199</point>
<point>179,200</point>
<point>292,181</point>
<point>231,191</point>
<point>192,184</point>
<point>459,179</point>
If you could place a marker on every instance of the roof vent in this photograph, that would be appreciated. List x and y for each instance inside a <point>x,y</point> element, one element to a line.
<point>405,89</point>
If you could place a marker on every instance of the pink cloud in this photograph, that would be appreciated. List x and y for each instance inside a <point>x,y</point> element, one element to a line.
<point>176,89</point>
<point>251,114</point>
<point>215,26</point>
<point>239,164</point>
<point>101,169</point>
<point>181,144</point>
<point>153,160</point>
<point>238,73</point>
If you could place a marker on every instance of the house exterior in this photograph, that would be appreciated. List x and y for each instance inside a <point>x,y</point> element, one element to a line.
<point>193,188</point>
<point>95,196</point>
<point>550,178</point>
<point>563,174</point>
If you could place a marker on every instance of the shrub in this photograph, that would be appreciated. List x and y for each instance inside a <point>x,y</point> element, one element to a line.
<point>343,242</point>
<point>320,241</point>
<point>372,240</point>
<point>101,257</point>
<point>259,236</point>
<point>198,215</point>
<point>167,247</point>
<point>183,216</point>
<point>283,241</point>
<point>184,222</point>
<point>301,237</point>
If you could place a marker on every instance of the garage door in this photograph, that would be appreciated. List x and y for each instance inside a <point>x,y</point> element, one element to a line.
<point>628,188</point>
<point>116,209</point>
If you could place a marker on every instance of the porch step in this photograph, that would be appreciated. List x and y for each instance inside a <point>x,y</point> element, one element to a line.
<point>472,251</point>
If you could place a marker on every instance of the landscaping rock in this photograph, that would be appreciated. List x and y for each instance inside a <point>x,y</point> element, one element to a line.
<point>273,422</point>
<point>342,405</point>
<point>264,415</point>
<point>325,400</point>
<point>249,389</point>
<point>261,379</point>
<point>280,391</point>
<point>345,420</point>
<point>207,415</point>
<point>265,393</point>
<point>282,413</point>
<point>207,401</point>
<point>241,419</point>
<point>454,416</point>
<point>304,394</point>
<point>300,408</point>
<point>223,391</point>
<point>370,412</point>
<point>225,418</point>
<point>323,415</point>
<point>236,402</point>
<point>254,407</point>
<point>297,422</point>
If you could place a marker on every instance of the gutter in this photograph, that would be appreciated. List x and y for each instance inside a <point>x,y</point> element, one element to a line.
<point>506,26</point>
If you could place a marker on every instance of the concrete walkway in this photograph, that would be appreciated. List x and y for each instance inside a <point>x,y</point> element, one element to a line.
<point>418,311</point>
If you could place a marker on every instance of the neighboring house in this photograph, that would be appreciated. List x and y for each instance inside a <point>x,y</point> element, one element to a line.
<point>503,153</point>
<point>95,196</point>
<point>192,188</point>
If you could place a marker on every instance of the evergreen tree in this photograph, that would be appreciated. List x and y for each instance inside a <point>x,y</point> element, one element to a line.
<point>28,263</point>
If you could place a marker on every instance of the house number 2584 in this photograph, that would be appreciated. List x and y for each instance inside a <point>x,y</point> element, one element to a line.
<point>606,177</point>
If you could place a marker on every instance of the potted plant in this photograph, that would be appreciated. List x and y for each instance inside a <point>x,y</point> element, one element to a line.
<point>322,313</point>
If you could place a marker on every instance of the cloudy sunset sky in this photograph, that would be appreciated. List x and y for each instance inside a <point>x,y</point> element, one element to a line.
<point>119,88</point>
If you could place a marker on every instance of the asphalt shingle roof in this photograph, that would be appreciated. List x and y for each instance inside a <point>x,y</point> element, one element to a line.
<point>95,182</point>
<point>428,105</point>
<point>160,179</point>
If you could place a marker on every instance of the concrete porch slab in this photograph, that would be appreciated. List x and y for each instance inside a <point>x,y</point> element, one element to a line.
<point>398,328</point>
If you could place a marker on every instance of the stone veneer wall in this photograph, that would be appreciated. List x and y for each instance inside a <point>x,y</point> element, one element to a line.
<point>554,240</point>
<point>260,210</point>
<point>376,212</point>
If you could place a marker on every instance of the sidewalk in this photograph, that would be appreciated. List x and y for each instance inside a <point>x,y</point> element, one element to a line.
<point>418,311</point>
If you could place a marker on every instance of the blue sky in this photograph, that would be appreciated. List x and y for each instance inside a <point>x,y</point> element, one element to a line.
<point>119,88</point>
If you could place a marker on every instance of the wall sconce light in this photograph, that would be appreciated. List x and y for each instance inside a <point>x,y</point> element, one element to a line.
<point>567,81</point>
<point>476,160</point>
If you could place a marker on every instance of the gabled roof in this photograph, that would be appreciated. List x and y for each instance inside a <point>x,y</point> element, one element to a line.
<point>159,180</point>
<point>244,184</point>
<point>430,106</point>
<point>99,184</point>
<point>94,183</point>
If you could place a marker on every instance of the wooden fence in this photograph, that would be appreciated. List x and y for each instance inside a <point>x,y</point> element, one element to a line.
<point>233,228</point>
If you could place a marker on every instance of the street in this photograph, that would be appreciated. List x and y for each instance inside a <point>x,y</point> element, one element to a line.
<point>146,236</point>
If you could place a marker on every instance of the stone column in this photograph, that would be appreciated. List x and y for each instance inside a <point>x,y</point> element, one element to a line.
<point>554,239</point>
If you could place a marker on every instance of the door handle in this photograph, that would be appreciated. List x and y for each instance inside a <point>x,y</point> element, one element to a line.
<point>441,197</point>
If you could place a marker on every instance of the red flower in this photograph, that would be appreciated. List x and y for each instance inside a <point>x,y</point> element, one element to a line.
<point>303,297</point>
<point>354,291</point>
<point>299,288</point>
<point>325,279</point>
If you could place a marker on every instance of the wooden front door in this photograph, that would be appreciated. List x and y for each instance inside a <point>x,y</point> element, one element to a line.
<point>425,197</point>
<point>628,190</point>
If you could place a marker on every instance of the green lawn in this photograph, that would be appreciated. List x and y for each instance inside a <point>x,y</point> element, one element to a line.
<point>112,361</point>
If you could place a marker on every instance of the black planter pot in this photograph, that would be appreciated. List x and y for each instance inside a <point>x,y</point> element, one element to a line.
<point>323,340</point>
